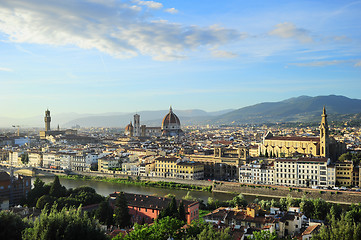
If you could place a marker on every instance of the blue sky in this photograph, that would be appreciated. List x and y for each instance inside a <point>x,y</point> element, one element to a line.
<point>95,56</point>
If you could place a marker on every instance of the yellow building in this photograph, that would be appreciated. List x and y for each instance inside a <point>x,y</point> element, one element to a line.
<point>321,146</point>
<point>190,170</point>
<point>166,167</point>
<point>175,168</point>
<point>106,164</point>
<point>344,173</point>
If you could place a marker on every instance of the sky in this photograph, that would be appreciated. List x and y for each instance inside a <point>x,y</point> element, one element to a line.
<point>101,56</point>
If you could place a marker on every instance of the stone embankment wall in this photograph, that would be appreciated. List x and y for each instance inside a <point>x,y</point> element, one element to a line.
<point>342,197</point>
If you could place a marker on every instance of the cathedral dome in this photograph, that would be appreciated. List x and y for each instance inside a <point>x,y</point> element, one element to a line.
<point>170,118</point>
<point>129,127</point>
<point>171,125</point>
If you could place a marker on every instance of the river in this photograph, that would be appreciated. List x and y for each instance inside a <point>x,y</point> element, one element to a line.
<point>105,188</point>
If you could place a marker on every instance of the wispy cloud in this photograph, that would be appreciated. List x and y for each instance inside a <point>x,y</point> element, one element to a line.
<point>150,4</point>
<point>319,63</point>
<point>171,10</point>
<point>117,28</point>
<point>289,30</point>
<point>224,54</point>
<point>2,69</point>
<point>358,64</point>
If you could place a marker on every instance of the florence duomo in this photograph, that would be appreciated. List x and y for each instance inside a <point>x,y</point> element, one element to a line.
<point>171,127</point>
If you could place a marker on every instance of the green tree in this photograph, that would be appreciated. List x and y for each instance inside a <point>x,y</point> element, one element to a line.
<point>339,229</point>
<point>104,213</point>
<point>182,212</point>
<point>56,189</point>
<point>11,226</point>
<point>121,212</point>
<point>307,207</point>
<point>189,197</point>
<point>264,235</point>
<point>45,200</point>
<point>209,232</point>
<point>65,224</point>
<point>38,191</point>
<point>24,158</point>
<point>161,229</point>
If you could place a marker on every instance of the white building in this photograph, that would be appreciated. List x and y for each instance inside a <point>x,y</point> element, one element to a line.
<point>256,173</point>
<point>35,159</point>
<point>303,172</point>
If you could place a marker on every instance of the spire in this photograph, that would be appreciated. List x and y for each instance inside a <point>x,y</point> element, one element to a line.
<point>170,108</point>
<point>324,111</point>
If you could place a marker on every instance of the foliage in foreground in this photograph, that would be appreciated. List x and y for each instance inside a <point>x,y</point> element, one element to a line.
<point>65,224</point>
<point>168,227</point>
<point>11,225</point>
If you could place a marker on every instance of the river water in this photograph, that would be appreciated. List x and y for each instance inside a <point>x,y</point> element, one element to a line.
<point>105,188</point>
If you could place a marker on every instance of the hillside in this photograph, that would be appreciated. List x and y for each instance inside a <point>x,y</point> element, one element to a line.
<point>300,109</point>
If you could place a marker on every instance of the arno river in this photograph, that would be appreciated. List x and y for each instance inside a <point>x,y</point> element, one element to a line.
<point>105,188</point>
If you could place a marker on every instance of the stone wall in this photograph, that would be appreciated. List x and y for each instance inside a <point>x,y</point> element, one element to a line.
<point>342,197</point>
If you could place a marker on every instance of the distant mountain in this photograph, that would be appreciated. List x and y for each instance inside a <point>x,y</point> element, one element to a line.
<point>299,109</point>
<point>149,118</point>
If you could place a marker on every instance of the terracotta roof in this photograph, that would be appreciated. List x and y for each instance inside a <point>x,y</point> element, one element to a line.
<point>311,229</point>
<point>150,202</point>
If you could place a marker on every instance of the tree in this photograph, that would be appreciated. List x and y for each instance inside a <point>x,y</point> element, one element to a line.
<point>182,212</point>
<point>38,190</point>
<point>339,229</point>
<point>264,235</point>
<point>65,224</point>
<point>189,197</point>
<point>45,200</point>
<point>307,207</point>
<point>11,225</point>
<point>24,158</point>
<point>210,233</point>
<point>104,213</point>
<point>121,212</point>
<point>56,189</point>
<point>162,229</point>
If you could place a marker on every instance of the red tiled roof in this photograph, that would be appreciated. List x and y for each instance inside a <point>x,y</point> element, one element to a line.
<point>310,229</point>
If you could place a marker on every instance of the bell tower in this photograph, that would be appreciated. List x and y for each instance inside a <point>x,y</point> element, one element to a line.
<point>136,125</point>
<point>47,120</point>
<point>324,135</point>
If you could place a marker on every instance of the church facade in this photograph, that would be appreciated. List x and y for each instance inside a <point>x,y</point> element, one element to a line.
<point>321,146</point>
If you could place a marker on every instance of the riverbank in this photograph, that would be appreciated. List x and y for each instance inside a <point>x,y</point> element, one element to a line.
<point>141,182</point>
<point>340,197</point>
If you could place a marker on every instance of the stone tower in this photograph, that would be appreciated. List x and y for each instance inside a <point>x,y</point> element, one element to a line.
<point>324,135</point>
<point>47,120</point>
<point>136,125</point>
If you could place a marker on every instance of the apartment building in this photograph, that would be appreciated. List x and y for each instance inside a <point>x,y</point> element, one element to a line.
<point>303,172</point>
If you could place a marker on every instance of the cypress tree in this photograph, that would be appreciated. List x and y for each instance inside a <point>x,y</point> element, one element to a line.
<point>121,212</point>
<point>182,212</point>
<point>56,189</point>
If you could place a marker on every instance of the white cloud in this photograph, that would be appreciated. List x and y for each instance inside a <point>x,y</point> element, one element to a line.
<point>358,64</point>
<point>171,10</point>
<point>289,30</point>
<point>319,63</point>
<point>150,4</point>
<point>2,69</point>
<point>118,29</point>
<point>224,54</point>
